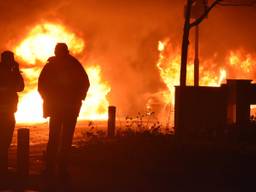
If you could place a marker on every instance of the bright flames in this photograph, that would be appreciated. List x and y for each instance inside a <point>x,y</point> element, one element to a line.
<point>237,65</point>
<point>34,50</point>
<point>41,40</point>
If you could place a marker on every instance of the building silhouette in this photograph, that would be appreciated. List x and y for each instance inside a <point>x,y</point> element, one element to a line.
<point>208,111</point>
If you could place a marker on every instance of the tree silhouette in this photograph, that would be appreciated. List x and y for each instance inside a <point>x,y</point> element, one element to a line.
<point>188,25</point>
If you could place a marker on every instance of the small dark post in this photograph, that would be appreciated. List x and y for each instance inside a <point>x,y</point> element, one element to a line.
<point>111,121</point>
<point>23,152</point>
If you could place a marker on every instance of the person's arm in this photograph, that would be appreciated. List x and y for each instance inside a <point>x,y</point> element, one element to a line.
<point>85,83</point>
<point>42,81</point>
<point>18,81</point>
<point>20,85</point>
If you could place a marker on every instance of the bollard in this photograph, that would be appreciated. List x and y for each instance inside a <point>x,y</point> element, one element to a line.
<point>23,152</point>
<point>111,121</point>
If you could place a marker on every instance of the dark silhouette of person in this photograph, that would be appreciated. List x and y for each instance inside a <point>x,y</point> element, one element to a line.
<point>63,84</point>
<point>11,82</point>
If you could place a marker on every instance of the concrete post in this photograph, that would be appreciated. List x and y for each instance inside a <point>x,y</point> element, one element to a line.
<point>111,121</point>
<point>23,152</point>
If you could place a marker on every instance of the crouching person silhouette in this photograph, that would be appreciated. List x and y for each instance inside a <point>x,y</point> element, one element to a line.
<point>63,84</point>
<point>11,82</point>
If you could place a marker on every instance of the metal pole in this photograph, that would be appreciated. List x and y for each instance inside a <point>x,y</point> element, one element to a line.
<point>196,61</point>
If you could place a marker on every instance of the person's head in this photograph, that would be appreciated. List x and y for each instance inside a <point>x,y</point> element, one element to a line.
<point>61,49</point>
<point>7,58</point>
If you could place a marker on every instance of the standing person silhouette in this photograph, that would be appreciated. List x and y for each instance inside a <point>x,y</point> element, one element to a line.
<point>63,84</point>
<point>11,82</point>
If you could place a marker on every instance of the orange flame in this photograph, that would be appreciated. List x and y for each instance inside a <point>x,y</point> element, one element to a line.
<point>238,64</point>
<point>241,64</point>
<point>34,50</point>
<point>41,40</point>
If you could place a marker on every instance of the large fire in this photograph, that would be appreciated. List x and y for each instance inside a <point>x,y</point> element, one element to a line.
<point>39,44</point>
<point>238,65</point>
<point>34,50</point>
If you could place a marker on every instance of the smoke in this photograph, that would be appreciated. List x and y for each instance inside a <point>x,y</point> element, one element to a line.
<point>122,37</point>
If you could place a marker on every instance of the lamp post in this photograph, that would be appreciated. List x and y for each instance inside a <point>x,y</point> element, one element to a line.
<point>198,8</point>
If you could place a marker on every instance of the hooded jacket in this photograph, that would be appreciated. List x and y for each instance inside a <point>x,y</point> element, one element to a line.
<point>63,84</point>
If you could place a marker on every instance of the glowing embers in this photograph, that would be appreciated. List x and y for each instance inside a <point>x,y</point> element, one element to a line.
<point>33,51</point>
<point>253,112</point>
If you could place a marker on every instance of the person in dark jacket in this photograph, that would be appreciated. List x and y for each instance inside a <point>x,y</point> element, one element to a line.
<point>63,84</point>
<point>11,82</point>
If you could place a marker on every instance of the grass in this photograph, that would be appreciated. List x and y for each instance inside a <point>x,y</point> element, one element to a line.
<point>146,156</point>
<point>143,156</point>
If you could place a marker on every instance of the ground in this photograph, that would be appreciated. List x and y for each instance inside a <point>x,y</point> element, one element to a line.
<point>150,163</point>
